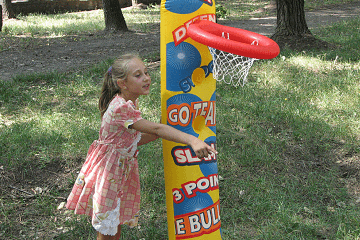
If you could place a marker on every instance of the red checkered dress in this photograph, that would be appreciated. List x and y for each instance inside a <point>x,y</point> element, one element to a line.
<point>108,186</point>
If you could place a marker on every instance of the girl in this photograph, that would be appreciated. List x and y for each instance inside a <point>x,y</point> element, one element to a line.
<point>108,186</point>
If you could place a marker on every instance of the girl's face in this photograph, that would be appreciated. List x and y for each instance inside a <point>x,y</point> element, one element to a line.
<point>138,79</point>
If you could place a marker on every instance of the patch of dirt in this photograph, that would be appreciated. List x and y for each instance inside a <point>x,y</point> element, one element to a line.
<point>25,55</point>
<point>71,53</point>
<point>302,43</point>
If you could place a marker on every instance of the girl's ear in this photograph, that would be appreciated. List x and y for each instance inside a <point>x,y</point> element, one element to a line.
<point>121,83</point>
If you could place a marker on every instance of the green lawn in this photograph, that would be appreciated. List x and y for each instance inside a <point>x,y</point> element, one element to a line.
<point>288,144</point>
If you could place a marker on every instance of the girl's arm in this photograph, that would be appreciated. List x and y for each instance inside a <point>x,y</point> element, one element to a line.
<point>200,148</point>
<point>146,138</point>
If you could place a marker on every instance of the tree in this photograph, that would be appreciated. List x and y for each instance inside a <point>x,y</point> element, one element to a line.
<point>292,30</point>
<point>7,9</point>
<point>1,18</point>
<point>114,18</point>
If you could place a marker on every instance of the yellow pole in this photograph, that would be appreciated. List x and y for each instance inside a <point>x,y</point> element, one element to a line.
<point>189,104</point>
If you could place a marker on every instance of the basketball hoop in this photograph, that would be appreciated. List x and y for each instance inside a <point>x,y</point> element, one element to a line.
<point>233,50</point>
<point>230,68</point>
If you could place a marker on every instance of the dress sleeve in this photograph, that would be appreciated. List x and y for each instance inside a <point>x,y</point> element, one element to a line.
<point>125,114</point>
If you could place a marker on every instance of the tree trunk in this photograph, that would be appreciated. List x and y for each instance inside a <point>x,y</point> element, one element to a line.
<point>292,30</point>
<point>7,9</point>
<point>291,18</point>
<point>134,3</point>
<point>1,18</point>
<point>114,19</point>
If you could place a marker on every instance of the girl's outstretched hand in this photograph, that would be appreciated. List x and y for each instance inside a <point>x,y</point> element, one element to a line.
<point>201,149</point>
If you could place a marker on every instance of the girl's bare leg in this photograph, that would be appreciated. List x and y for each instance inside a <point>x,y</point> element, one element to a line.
<point>108,237</point>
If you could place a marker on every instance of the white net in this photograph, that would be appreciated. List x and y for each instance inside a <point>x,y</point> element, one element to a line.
<point>231,68</point>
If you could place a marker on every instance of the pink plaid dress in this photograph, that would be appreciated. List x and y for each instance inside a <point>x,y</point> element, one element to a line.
<point>108,186</point>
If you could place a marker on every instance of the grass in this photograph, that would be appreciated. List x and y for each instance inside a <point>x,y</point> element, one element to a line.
<point>59,25</point>
<point>288,143</point>
<point>246,9</point>
<point>297,120</point>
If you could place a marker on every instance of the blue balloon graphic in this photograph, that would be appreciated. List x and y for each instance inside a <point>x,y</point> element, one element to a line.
<point>206,70</point>
<point>211,66</point>
<point>213,97</point>
<point>209,168</point>
<point>181,61</point>
<point>200,201</point>
<point>183,6</point>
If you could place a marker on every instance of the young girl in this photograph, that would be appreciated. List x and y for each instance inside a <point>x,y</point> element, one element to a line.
<point>108,186</point>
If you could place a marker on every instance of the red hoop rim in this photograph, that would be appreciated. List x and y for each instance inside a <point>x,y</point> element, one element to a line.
<point>210,34</point>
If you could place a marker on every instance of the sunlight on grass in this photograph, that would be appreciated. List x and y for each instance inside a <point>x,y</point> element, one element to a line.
<point>239,10</point>
<point>57,25</point>
<point>310,63</point>
<point>151,15</point>
<point>319,64</point>
<point>336,77</point>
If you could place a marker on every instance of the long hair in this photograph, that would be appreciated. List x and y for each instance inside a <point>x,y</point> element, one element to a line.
<point>110,87</point>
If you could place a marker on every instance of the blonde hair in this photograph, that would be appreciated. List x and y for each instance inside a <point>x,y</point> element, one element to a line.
<point>118,71</point>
